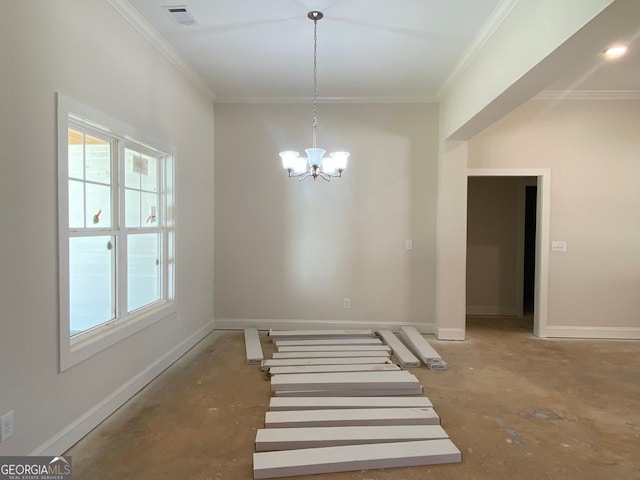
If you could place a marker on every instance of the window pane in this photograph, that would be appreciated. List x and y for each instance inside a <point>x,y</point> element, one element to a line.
<point>150,180</point>
<point>91,282</point>
<point>98,160</point>
<point>132,208</point>
<point>76,204</point>
<point>149,209</point>
<point>98,206</point>
<point>143,270</point>
<point>75,141</point>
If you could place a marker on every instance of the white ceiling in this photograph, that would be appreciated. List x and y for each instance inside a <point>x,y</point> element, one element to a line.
<point>368,50</point>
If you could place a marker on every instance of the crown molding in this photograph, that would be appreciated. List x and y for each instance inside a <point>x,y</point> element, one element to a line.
<point>130,14</point>
<point>588,95</point>
<point>429,99</point>
<point>486,32</point>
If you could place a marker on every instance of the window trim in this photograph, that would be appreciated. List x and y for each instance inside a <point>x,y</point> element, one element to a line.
<point>75,349</point>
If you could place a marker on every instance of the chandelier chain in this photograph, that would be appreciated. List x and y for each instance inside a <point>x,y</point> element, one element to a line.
<point>315,80</point>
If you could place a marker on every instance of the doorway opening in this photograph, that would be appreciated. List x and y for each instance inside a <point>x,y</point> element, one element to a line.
<point>507,260</point>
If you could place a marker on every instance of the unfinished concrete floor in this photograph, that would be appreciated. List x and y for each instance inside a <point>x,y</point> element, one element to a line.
<point>517,406</point>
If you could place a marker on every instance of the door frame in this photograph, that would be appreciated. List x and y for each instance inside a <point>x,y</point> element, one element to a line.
<point>543,175</point>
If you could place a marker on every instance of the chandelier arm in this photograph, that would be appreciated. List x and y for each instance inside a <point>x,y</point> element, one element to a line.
<point>303,176</point>
<point>295,175</point>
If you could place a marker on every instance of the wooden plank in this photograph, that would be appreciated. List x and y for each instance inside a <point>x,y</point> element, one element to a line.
<point>349,458</point>
<point>344,381</point>
<point>329,341</point>
<point>374,367</point>
<point>402,353</point>
<point>351,393</point>
<point>419,345</point>
<point>282,362</point>
<point>319,334</point>
<point>351,417</point>
<point>252,346</point>
<point>362,353</point>
<point>442,365</point>
<point>320,403</point>
<point>335,348</point>
<point>269,439</point>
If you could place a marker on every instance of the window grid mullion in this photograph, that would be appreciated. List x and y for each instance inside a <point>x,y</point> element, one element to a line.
<point>121,267</point>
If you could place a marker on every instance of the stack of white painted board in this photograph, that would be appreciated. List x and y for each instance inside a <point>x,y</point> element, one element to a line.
<point>422,348</point>
<point>341,404</point>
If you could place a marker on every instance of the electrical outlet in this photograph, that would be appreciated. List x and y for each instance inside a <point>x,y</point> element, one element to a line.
<point>347,303</point>
<point>7,428</point>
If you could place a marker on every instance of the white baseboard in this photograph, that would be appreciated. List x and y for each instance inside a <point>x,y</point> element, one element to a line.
<point>613,333</point>
<point>71,434</point>
<point>456,334</point>
<point>493,311</point>
<point>289,324</point>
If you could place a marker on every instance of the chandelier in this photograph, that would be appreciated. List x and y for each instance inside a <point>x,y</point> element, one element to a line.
<point>315,164</point>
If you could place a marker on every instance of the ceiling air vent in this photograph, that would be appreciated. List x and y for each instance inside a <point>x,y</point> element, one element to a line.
<point>181,14</point>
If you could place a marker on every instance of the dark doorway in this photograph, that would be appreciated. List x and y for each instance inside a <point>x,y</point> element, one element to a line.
<point>529,281</point>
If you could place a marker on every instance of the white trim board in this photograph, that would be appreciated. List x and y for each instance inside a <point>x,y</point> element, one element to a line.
<point>604,333</point>
<point>268,439</point>
<point>373,367</point>
<point>351,417</point>
<point>252,346</point>
<point>362,353</point>
<point>284,362</point>
<point>401,352</point>
<point>329,341</point>
<point>288,324</point>
<point>454,334</point>
<point>353,458</point>
<point>320,403</point>
<point>71,434</point>
<point>419,345</point>
<point>334,348</point>
<point>351,393</point>
<point>319,334</point>
<point>344,381</point>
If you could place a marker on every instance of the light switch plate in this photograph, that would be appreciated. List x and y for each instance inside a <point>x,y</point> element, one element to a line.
<point>558,246</point>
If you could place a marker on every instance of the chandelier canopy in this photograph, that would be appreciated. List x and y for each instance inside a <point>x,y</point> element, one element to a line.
<point>315,164</point>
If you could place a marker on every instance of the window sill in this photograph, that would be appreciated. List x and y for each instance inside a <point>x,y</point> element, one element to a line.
<point>75,350</point>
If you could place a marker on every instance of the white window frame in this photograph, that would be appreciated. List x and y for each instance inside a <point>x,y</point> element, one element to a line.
<point>73,114</point>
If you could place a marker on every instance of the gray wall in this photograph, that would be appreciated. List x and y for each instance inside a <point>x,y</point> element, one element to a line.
<point>287,252</point>
<point>87,51</point>
<point>592,149</point>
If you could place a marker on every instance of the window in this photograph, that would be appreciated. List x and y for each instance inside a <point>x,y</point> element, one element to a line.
<point>115,230</point>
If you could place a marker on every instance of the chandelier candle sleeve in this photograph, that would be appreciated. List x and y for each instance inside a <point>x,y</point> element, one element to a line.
<point>315,164</point>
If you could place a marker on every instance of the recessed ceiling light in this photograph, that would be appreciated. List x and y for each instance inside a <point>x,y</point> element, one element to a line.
<point>615,51</point>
